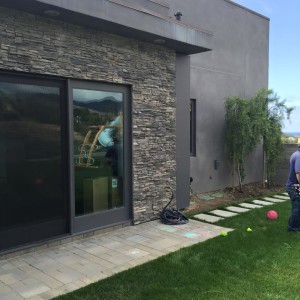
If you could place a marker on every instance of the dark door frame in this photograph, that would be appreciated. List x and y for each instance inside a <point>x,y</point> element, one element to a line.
<point>113,216</point>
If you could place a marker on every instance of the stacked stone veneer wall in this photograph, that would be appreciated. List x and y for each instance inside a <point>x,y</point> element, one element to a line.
<point>40,45</point>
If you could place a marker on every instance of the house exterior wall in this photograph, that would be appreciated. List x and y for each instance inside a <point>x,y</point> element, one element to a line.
<point>281,175</point>
<point>38,45</point>
<point>237,65</point>
<point>162,79</point>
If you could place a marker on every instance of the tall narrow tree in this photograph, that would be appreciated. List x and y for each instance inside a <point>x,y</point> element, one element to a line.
<point>275,112</point>
<point>254,122</point>
<point>236,137</point>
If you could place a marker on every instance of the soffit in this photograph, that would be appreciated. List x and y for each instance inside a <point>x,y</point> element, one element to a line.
<point>123,18</point>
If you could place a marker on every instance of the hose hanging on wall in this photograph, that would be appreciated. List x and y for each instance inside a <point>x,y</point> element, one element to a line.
<point>172,216</point>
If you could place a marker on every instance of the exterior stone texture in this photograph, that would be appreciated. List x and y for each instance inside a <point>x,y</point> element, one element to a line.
<point>38,45</point>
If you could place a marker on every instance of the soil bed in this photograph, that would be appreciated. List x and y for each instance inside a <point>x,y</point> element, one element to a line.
<point>227,196</point>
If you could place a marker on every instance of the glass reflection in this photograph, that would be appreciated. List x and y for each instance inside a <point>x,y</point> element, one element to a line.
<point>98,150</point>
<point>31,189</point>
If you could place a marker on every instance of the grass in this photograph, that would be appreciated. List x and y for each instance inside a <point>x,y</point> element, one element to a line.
<point>263,264</point>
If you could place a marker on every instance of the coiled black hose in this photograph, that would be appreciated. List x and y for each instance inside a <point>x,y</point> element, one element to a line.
<point>172,216</point>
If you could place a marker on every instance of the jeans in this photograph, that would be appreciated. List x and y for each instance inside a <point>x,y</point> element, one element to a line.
<point>294,220</point>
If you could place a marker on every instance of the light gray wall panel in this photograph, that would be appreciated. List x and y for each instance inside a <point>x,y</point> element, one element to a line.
<point>237,65</point>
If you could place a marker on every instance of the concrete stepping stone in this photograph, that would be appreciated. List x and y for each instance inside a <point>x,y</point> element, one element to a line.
<point>237,209</point>
<point>274,200</point>
<point>282,197</point>
<point>207,198</point>
<point>223,213</point>
<point>286,194</point>
<point>218,195</point>
<point>264,203</point>
<point>249,205</point>
<point>208,218</point>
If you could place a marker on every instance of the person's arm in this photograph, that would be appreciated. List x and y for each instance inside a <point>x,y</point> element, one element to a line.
<point>297,168</point>
<point>298,177</point>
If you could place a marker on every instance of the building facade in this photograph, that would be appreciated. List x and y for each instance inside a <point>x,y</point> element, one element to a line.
<point>95,109</point>
<point>236,66</point>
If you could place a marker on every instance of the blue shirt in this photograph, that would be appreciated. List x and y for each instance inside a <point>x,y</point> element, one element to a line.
<point>294,168</point>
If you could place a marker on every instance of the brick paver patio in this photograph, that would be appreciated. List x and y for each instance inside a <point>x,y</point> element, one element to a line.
<point>50,272</point>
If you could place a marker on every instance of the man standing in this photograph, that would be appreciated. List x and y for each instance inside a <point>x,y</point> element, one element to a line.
<point>292,187</point>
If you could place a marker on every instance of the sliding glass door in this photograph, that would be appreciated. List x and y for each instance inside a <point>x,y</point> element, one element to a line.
<point>33,173</point>
<point>65,158</point>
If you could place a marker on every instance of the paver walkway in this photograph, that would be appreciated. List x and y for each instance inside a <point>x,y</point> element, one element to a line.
<point>53,271</point>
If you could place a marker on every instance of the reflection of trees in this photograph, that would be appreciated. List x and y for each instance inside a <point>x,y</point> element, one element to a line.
<point>38,107</point>
<point>31,121</point>
<point>8,109</point>
<point>37,139</point>
<point>84,118</point>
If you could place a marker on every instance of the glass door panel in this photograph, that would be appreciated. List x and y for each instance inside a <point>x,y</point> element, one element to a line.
<point>33,202</point>
<point>98,150</point>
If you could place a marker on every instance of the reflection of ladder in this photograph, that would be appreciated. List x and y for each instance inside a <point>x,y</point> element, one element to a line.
<point>87,148</point>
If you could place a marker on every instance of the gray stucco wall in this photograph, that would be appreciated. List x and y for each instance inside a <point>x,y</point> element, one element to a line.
<point>282,172</point>
<point>39,45</point>
<point>237,65</point>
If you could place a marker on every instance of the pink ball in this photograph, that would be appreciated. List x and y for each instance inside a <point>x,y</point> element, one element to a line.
<point>272,215</point>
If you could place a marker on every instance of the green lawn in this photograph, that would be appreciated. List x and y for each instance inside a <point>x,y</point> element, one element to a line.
<point>263,264</point>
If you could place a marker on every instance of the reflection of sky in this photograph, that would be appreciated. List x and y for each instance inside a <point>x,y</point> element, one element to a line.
<point>92,95</point>
<point>12,88</point>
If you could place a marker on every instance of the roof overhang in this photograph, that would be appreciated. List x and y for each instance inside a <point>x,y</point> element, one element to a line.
<point>121,18</point>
